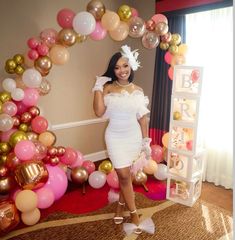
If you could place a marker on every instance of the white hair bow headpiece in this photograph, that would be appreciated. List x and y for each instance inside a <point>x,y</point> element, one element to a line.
<point>132,56</point>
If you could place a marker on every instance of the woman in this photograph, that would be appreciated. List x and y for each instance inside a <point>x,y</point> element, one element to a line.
<point>119,99</point>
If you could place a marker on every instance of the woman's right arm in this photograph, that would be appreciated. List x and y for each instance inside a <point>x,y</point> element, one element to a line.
<point>98,104</point>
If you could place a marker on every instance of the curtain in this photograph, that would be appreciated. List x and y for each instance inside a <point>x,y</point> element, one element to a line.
<point>162,86</point>
<point>210,42</point>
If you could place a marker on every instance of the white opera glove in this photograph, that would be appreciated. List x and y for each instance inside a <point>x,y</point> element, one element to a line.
<point>146,147</point>
<point>99,84</point>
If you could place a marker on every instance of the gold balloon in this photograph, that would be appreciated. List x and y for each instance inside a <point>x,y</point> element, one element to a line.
<point>124,12</point>
<point>43,64</point>
<point>5,147</point>
<point>23,127</point>
<point>45,87</point>
<point>106,167</point>
<point>19,70</point>
<point>11,64</point>
<point>3,159</point>
<point>5,96</point>
<point>81,38</point>
<point>6,184</point>
<point>140,178</point>
<point>164,46</point>
<point>31,174</point>
<point>96,8</point>
<point>161,28</point>
<point>32,136</point>
<point>19,59</point>
<point>177,115</point>
<point>8,70</point>
<point>175,39</point>
<point>0,107</point>
<point>67,37</point>
<point>173,49</point>
<point>16,137</point>
<point>9,216</point>
<point>79,175</point>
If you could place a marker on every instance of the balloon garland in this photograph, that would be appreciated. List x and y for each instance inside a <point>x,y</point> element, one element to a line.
<point>33,171</point>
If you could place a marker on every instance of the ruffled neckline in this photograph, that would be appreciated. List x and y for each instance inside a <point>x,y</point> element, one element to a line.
<point>125,93</point>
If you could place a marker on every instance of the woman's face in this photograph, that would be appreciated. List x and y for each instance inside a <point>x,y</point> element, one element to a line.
<point>122,69</point>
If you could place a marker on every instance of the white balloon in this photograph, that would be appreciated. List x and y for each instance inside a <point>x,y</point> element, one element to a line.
<point>97,179</point>
<point>161,173</point>
<point>17,94</point>
<point>9,84</point>
<point>6,122</point>
<point>84,23</point>
<point>32,78</point>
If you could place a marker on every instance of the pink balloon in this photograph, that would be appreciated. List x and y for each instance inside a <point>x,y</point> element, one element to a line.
<point>170,73</point>
<point>157,153</point>
<point>43,49</point>
<point>189,145</point>
<point>57,181</point>
<point>112,179</point>
<point>195,75</point>
<point>24,150</point>
<point>89,166</point>
<point>69,156</point>
<point>39,124</point>
<point>65,18</point>
<point>33,42</point>
<point>10,108</point>
<point>78,162</point>
<point>99,33</point>
<point>33,54</point>
<point>159,18</point>
<point>5,136</point>
<point>31,97</point>
<point>45,197</point>
<point>168,57</point>
<point>21,107</point>
<point>134,12</point>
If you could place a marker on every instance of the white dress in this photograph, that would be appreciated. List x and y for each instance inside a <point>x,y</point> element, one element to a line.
<point>123,134</point>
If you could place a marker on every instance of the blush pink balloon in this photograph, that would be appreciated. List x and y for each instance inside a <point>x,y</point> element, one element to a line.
<point>99,33</point>
<point>24,150</point>
<point>31,97</point>
<point>10,108</point>
<point>45,197</point>
<point>134,12</point>
<point>168,57</point>
<point>157,153</point>
<point>69,156</point>
<point>57,181</point>
<point>33,42</point>
<point>159,18</point>
<point>65,18</point>
<point>5,136</point>
<point>112,179</point>
<point>78,162</point>
<point>39,124</point>
<point>89,166</point>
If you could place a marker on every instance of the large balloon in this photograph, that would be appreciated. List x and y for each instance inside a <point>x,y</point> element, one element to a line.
<point>6,122</point>
<point>59,54</point>
<point>120,32</point>
<point>110,20</point>
<point>136,27</point>
<point>31,217</point>
<point>45,197</point>
<point>157,153</point>
<point>26,200</point>
<point>32,78</point>
<point>161,173</point>
<point>97,179</point>
<point>24,150</point>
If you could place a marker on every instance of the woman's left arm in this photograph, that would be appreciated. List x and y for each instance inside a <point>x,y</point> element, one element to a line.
<point>143,121</point>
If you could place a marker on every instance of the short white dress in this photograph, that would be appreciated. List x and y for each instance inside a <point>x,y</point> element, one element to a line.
<point>123,134</point>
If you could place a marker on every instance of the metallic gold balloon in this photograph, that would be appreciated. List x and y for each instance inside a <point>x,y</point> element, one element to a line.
<point>175,39</point>
<point>140,178</point>
<point>52,151</point>
<point>43,64</point>
<point>34,111</point>
<point>8,70</point>
<point>67,37</point>
<point>3,171</point>
<point>177,115</point>
<point>19,70</point>
<point>45,87</point>
<point>79,175</point>
<point>124,12</point>
<point>5,96</point>
<point>19,59</point>
<point>6,184</point>
<point>81,38</point>
<point>164,46</point>
<point>3,159</point>
<point>54,160</point>
<point>32,136</point>
<point>23,127</point>
<point>11,64</point>
<point>9,216</point>
<point>106,167</point>
<point>161,28</point>
<point>173,49</point>
<point>0,107</point>
<point>60,151</point>
<point>26,117</point>
<point>16,137</point>
<point>5,148</point>
<point>31,174</point>
<point>96,8</point>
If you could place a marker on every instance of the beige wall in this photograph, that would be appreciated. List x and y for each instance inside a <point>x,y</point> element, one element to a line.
<point>70,99</point>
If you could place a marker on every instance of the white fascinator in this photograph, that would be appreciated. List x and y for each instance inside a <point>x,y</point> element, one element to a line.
<point>132,56</point>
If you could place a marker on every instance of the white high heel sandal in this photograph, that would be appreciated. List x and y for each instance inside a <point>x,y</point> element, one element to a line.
<point>118,219</point>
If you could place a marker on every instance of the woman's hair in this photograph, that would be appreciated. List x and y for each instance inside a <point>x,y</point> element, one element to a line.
<point>110,70</point>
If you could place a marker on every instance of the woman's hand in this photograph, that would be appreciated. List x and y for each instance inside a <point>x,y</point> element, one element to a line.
<point>99,84</point>
<point>146,147</point>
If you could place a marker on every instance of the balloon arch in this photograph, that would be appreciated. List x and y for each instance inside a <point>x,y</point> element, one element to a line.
<point>33,171</point>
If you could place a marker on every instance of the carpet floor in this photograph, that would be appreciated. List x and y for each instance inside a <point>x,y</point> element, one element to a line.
<point>173,221</point>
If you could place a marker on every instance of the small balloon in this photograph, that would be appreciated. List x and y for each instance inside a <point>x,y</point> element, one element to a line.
<point>124,12</point>
<point>79,175</point>
<point>136,27</point>
<point>106,166</point>
<point>96,8</point>
<point>67,37</point>
<point>150,40</point>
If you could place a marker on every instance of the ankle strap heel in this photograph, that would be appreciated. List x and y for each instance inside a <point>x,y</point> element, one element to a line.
<point>122,204</point>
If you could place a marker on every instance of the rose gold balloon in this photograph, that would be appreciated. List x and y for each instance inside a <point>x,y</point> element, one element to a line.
<point>61,151</point>
<point>52,151</point>
<point>161,28</point>
<point>46,159</point>
<point>34,111</point>
<point>12,161</point>
<point>67,37</point>
<point>96,8</point>
<point>26,117</point>
<point>3,171</point>
<point>41,150</point>
<point>166,38</point>
<point>32,136</point>
<point>150,25</point>
<point>81,38</point>
<point>16,121</point>
<point>79,175</point>
<point>9,216</point>
<point>54,160</point>
<point>140,178</point>
<point>43,65</point>
<point>6,184</point>
<point>45,87</point>
<point>31,174</point>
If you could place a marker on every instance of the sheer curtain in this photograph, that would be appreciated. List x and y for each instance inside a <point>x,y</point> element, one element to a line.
<point>210,41</point>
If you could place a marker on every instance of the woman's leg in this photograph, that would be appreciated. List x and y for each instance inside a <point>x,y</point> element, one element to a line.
<point>120,205</point>
<point>127,192</point>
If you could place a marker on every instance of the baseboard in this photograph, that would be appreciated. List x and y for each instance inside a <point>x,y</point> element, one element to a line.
<point>97,156</point>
